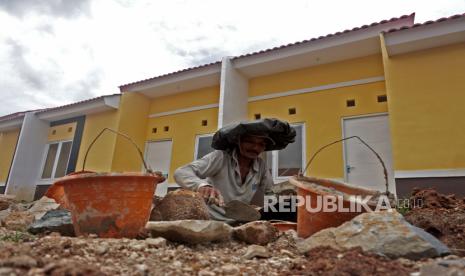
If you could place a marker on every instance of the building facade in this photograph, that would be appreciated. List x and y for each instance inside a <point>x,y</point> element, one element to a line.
<point>397,85</point>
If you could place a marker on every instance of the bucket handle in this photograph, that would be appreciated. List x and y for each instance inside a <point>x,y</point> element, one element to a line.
<point>147,168</point>
<point>363,142</point>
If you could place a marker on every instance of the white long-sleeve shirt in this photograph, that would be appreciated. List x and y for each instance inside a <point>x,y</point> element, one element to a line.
<point>220,169</point>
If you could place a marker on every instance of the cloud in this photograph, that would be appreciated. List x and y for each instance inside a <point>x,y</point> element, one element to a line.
<point>87,87</point>
<point>56,8</point>
<point>29,82</point>
<point>33,77</point>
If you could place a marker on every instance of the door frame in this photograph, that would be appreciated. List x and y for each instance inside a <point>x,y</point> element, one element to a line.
<point>197,138</point>
<point>154,141</point>
<point>275,153</point>
<point>344,147</point>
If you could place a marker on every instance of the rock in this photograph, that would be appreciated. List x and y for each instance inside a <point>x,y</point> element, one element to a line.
<point>6,201</point>
<point>177,264</point>
<point>7,271</point>
<point>4,214</point>
<point>18,220</point>
<point>191,231</point>
<point>54,221</point>
<point>284,188</point>
<point>256,251</point>
<point>22,261</point>
<point>444,267</point>
<point>100,249</point>
<point>155,214</point>
<point>287,253</point>
<point>156,242</point>
<point>256,232</point>
<point>384,233</point>
<point>206,273</point>
<point>452,262</point>
<point>137,247</point>
<point>40,207</point>
<point>230,269</point>
<point>133,255</point>
<point>180,205</point>
<point>142,268</point>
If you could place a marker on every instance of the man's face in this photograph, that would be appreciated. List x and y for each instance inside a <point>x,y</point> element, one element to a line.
<point>251,146</point>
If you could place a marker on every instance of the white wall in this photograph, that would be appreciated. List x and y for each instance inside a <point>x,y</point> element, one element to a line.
<point>234,92</point>
<point>27,160</point>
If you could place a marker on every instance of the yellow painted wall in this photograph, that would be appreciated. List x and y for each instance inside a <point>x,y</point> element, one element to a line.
<point>322,111</point>
<point>62,132</point>
<point>100,156</point>
<point>8,142</point>
<point>426,92</point>
<point>132,120</point>
<point>183,127</point>
<point>199,97</point>
<point>354,69</point>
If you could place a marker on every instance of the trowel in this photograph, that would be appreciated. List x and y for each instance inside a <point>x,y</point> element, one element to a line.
<point>240,211</point>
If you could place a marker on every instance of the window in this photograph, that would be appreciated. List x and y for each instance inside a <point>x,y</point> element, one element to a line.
<point>203,145</point>
<point>289,161</point>
<point>350,103</point>
<point>56,161</point>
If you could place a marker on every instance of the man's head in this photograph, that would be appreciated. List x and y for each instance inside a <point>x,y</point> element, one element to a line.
<point>250,146</point>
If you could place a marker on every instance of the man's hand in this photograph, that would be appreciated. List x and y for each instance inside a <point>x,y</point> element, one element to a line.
<point>211,195</point>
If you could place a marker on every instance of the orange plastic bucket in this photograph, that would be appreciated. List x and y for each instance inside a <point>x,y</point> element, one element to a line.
<point>110,205</point>
<point>311,188</point>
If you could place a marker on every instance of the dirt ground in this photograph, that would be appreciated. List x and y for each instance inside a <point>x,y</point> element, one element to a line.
<point>56,255</point>
<point>328,261</point>
<point>442,216</point>
<point>52,254</point>
<point>24,254</point>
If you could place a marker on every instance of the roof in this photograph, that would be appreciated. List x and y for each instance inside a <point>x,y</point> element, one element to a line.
<point>272,49</point>
<point>169,74</point>
<point>15,115</point>
<point>442,19</point>
<point>21,114</point>
<point>325,36</point>
<point>76,103</point>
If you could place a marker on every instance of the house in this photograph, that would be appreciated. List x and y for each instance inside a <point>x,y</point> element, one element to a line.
<point>43,145</point>
<point>397,85</point>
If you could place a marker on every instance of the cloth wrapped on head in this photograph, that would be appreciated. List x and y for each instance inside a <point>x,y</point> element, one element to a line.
<point>278,133</point>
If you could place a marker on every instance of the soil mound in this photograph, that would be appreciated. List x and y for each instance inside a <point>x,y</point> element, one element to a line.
<point>443,216</point>
<point>328,261</point>
<point>180,205</point>
<point>430,198</point>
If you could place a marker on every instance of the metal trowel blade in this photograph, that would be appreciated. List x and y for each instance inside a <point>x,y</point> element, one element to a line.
<point>240,211</point>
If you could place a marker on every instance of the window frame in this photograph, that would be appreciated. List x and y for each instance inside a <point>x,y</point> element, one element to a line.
<point>197,140</point>
<point>55,162</point>
<point>275,156</point>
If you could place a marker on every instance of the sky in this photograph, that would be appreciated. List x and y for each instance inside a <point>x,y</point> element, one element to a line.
<point>55,52</point>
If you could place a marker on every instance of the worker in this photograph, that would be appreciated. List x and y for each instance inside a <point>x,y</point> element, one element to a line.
<point>235,170</point>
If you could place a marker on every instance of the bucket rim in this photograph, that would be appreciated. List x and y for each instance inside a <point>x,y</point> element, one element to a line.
<point>95,175</point>
<point>297,181</point>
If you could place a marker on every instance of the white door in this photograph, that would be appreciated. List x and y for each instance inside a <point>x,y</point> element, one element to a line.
<point>361,165</point>
<point>158,157</point>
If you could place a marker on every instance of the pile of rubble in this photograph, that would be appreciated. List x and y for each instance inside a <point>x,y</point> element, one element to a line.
<point>38,239</point>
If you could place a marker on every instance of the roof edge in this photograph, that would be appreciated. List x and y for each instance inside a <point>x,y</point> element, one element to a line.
<point>364,27</point>
<point>129,85</point>
<point>428,22</point>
